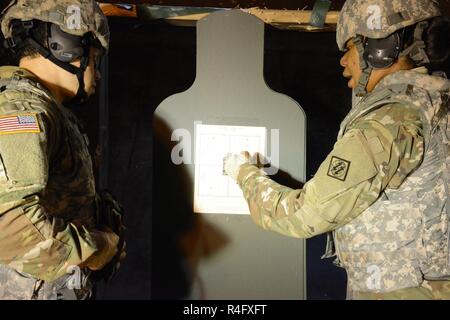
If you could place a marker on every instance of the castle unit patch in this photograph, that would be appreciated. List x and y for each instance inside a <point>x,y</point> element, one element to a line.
<point>338,168</point>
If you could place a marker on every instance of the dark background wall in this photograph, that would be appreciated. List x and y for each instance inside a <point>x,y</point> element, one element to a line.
<point>149,62</point>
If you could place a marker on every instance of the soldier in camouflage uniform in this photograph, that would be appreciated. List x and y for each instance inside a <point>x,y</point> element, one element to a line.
<point>49,238</point>
<point>382,193</point>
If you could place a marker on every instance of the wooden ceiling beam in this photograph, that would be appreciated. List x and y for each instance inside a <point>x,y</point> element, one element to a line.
<point>111,10</point>
<point>290,19</point>
<point>336,5</point>
<point>266,4</point>
<point>294,15</point>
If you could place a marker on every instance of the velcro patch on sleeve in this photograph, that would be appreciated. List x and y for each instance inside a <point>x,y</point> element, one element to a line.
<point>3,176</point>
<point>24,123</point>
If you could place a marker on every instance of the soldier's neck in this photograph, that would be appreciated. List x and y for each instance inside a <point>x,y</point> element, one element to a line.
<point>54,78</point>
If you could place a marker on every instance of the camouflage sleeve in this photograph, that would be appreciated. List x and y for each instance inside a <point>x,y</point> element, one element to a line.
<point>30,240</point>
<point>377,152</point>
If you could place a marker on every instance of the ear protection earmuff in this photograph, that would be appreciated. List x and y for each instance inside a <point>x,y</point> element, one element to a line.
<point>382,53</point>
<point>65,47</point>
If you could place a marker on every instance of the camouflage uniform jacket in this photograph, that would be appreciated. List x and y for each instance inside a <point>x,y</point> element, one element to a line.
<point>47,191</point>
<point>383,189</point>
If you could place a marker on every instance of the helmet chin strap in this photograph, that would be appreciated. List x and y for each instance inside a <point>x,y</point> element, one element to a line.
<point>81,95</point>
<point>366,69</point>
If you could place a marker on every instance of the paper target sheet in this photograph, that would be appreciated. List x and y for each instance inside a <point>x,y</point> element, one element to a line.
<point>214,191</point>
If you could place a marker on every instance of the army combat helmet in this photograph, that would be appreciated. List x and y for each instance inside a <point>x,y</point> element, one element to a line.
<point>73,26</point>
<point>377,28</point>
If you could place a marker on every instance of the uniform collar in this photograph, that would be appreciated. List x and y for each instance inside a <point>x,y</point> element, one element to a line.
<point>15,73</point>
<point>418,77</point>
<point>7,72</point>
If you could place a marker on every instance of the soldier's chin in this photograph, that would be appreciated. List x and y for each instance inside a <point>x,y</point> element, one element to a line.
<point>351,84</point>
<point>90,92</point>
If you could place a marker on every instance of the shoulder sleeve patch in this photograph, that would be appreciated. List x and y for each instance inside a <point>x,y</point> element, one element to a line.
<point>21,123</point>
<point>348,165</point>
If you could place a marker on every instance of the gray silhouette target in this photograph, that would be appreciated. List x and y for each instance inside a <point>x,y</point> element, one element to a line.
<point>242,260</point>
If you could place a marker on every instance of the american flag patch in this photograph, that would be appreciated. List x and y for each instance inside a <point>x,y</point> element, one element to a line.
<point>19,124</point>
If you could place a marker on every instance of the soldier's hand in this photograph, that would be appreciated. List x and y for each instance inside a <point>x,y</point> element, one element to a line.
<point>232,163</point>
<point>258,160</point>
<point>107,242</point>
